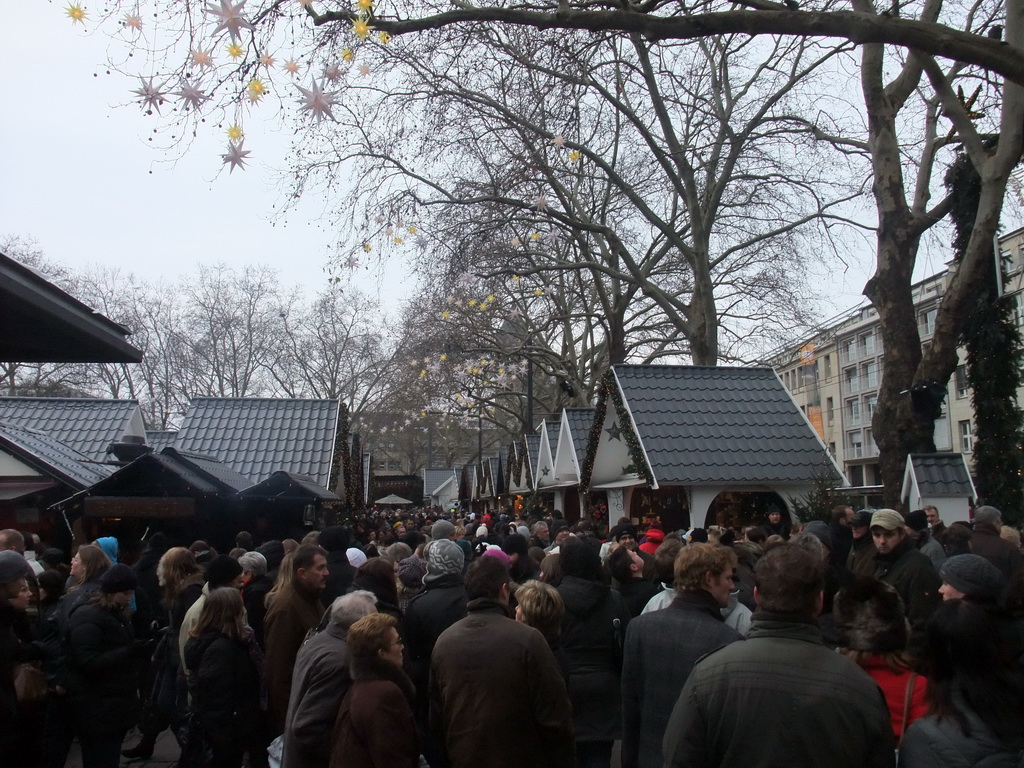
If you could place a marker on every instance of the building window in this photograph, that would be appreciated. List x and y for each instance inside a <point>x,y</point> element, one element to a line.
<point>870,375</point>
<point>830,407</point>
<point>832,449</point>
<point>857,476</point>
<point>849,350</point>
<point>927,322</point>
<point>962,390</point>
<point>828,367</point>
<point>1015,307</point>
<point>853,412</point>
<point>867,344</point>
<point>869,406</point>
<point>966,437</point>
<point>856,442</point>
<point>852,382</point>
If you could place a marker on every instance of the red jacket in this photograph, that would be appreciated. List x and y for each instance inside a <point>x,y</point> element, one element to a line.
<point>652,539</point>
<point>894,686</point>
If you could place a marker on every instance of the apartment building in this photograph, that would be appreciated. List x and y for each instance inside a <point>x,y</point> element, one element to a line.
<point>834,376</point>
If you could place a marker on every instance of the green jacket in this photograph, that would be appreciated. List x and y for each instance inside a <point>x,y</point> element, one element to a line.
<point>778,700</point>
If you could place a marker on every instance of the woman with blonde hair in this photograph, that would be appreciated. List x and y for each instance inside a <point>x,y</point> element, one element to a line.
<point>375,726</point>
<point>225,680</point>
<point>285,576</point>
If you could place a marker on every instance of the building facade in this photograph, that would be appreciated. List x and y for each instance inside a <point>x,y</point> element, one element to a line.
<point>834,376</point>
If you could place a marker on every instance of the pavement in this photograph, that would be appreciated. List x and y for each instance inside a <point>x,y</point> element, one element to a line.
<point>165,753</point>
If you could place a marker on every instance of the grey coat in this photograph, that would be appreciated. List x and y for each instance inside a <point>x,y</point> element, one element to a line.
<point>779,698</point>
<point>661,649</point>
<point>930,743</point>
<point>320,681</point>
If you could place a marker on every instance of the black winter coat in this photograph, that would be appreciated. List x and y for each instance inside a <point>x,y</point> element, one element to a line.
<point>593,646</point>
<point>441,603</point>
<point>103,683</point>
<point>225,685</point>
<point>340,574</point>
<point>254,596</point>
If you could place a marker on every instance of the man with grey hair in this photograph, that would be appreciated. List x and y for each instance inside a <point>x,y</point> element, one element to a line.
<point>988,543</point>
<point>255,585</point>
<point>320,681</point>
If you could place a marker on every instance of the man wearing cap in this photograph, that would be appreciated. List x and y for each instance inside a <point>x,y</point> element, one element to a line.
<point>441,603</point>
<point>861,560</point>
<point>899,564</point>
<point>987,542</point>
<point>917,531</point>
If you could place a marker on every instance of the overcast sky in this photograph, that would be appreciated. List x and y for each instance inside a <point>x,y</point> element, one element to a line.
<point>81,178</point>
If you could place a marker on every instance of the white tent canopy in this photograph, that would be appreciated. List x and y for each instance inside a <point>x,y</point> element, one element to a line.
<point>392,499</point>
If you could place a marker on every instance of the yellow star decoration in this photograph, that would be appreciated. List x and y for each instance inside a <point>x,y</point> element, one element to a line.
<point>516,278</point>
<point>361,28</point>
<point>399,240</point>
<point>443,358</point>
<point>235,132</point>
<point>75,12</point>
<point>235,50</point>
<point>257,87</point>
<point>365,5</point>
<point>537,291</point>
<point>384,38</point>
<point>483,306</point>
<point>445,316</point>
<point>535,236</point>
<point>423,374</point>
<point>347,54</point>
<point>412,230</point>
<point>367,247</point>
<point>574,156</point>
<point>472,302</point>
<point>490,298</point>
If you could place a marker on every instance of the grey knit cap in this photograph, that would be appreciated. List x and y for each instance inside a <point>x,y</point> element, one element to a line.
<point>975,576</point>
<point>13,566</point>
<point>444,557</point>
<point>441,529</point>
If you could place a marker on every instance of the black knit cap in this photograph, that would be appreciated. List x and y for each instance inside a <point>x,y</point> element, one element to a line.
<point>119,578</point>
<point>222,570</point>
<point>622,528</point>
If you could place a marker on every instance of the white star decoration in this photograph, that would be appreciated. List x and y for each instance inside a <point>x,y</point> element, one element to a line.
<point>133,21</point>
<point>552,237</point>
<point>151,96</point>
<point>291,67</point>
<point>191,95</point>
<point>352,262</point>
<point>333,73</point>
<point>231,18</point>
<point>202,58</point>
<point>541,203</point>
<point>236,157</point>
<point>317,102</point>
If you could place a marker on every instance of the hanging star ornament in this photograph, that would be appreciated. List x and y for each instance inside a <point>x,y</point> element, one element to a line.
<point>231,18</point>
<point>291,67</point>
<point>268,61</point>
<point>132,21</point>
<point>75,12</point>
<point>191,96</point>
<point>541,203</point>
<point>235,51</point>
<point>150,96</point>
<point>255,90</point>
<point>202,59</point>
<point>236,157</point>
<point>317,102</point>
<point>235,133</point>
<point>361,28</point>
<point>332,73</point>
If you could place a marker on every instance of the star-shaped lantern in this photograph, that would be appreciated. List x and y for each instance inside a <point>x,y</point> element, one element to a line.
<point>332,73</point>
<point>291,67</point>
<point>317,102</point>
<point>268,61</point>
<point>75,12</point>
<point>255,90</point>
<point>150,96</point>
<point>201,58</point>
<point>231,18</point>
<point>191,96</point>
<point>132,21</point>
<point>541,203</point>
<point>361,28</point>
<point>236,157</point>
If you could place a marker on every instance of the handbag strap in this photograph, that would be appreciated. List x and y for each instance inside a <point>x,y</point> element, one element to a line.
<point>908,697</point>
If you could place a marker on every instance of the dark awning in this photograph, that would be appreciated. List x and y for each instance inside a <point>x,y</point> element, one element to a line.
<point>40,323</point>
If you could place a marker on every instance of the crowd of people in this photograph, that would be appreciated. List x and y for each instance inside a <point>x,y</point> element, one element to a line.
<point>433,639</point>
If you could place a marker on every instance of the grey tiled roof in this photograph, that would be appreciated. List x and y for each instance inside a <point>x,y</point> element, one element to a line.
<point>497,476</point>
<point>580,421</point>
<point>89,425</point>
<point>158,439</point>
<point>720,425</point>
<point>553,426</point>
<point>51,456</point>
<point>259,436</point>
<point>941,474</point>
<point>433,478</point>
<point>532,451</point>
<point>211,466</point>
<point>289,485</point>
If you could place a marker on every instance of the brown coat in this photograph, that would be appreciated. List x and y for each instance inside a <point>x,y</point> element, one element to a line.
<point>497,697</point>
<point>292,614</point>
<point>375,726</point>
